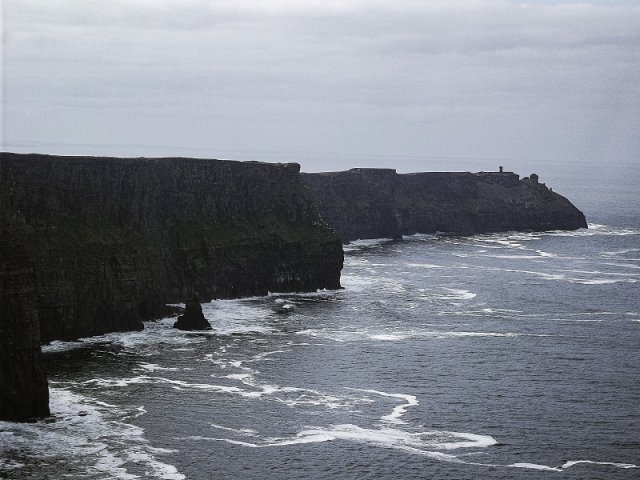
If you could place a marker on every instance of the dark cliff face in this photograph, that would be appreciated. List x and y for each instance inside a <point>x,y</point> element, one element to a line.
<point>373,203</point>
<point>358,203</point>
<point>23,386</point>
<point>112,240</point>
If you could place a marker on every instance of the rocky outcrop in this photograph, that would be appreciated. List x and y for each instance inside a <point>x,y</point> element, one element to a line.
<point>379,203</point>
<point>23,385</point>
<point>192,318</point>
<point>112,240</point>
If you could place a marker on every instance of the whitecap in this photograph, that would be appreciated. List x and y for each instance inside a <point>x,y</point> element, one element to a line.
<point>459,294</point>
<point>362,244</point>
<point>10,465</point>
<point>250,432</point>
<point>88,435</point>
<point>601,281</point>
<point>154,367</point>
<point>595,229</point>
<point>423,265</point>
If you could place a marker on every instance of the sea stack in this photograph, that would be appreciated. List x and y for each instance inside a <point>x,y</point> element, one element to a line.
<point>193,318</point>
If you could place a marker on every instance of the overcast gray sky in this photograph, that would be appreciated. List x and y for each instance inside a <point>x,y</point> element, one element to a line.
<point>333,84</point>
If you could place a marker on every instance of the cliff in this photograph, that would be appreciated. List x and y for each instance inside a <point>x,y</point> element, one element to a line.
<point>23,384</point>
<point>379,203</point>
<point>112,240</point>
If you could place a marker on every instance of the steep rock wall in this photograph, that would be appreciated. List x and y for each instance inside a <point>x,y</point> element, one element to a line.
<point>23,384</point>
<point>375,203</point>
<point>113,240</point>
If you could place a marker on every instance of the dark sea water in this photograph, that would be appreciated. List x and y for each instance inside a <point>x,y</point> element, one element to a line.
<point>499,356</point>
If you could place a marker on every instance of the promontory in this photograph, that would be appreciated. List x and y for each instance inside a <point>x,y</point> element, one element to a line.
<point>380,203</point>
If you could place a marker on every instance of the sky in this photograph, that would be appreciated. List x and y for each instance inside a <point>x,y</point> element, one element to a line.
<point>415,85</point>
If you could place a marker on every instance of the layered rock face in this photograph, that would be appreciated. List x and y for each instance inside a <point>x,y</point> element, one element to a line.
<point>23,384</point>
<point>113,240</point>
<point>379,203</point>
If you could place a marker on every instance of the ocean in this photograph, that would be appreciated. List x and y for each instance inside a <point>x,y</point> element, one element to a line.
<point>498,356</point>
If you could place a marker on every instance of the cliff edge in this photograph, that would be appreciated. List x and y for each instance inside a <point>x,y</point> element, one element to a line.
<point>112,240</point>
<point>380,203</point>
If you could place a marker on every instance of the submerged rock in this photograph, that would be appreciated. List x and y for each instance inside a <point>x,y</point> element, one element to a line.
<point>193,318</point>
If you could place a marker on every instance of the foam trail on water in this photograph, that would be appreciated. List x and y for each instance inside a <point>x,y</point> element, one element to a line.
<point>415,443</point>
<point>569,464</point>
<point>398,411</point>
<point>613,464</point>
<point>534,466</point>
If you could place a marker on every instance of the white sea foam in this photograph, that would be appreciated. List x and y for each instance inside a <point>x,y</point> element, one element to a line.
<point>422,443</point>
<point>613,464</point>
<point>363,244</point>
<point>155,333</point>
<point>90,436</point>
<point>347,336</point>
<point>249,432</point>
<point>601,281</point>
<point>594,229</point>
<point>154,367</point>
<point>621,251</point>
<point>534,466</point>
<point>290,396</point>
<point>10,465</point>
<point>569,464</point>
<point>398,411</point>
<point>237,317</point>
<point>360,283</point>
<point>423,265</point>
<point>458,294</point>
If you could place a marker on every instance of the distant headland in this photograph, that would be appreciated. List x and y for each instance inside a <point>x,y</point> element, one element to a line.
<point>378,203</point>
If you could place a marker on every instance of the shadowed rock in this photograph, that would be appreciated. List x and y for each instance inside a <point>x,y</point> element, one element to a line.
<point>193,318</point>
<point>24,394</point>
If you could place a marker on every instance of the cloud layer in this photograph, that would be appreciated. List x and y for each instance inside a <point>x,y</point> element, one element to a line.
<point>271,79</point>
